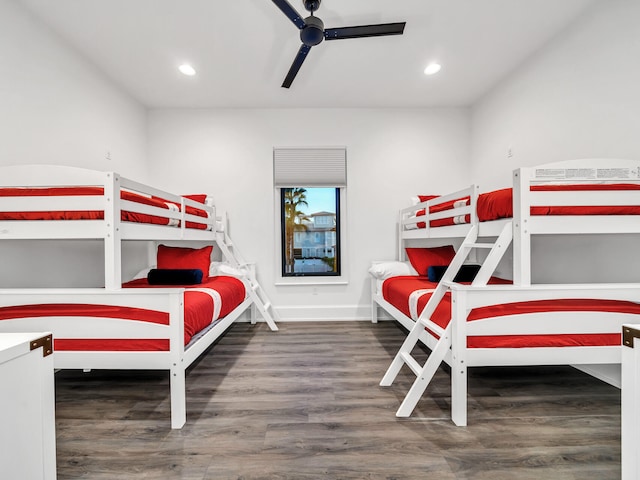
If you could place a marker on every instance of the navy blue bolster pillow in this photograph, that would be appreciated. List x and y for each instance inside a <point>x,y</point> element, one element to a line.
<point>166,276</point>
<point>466,273</point>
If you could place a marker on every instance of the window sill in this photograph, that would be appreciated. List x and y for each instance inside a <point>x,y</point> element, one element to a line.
<point>297,281</point>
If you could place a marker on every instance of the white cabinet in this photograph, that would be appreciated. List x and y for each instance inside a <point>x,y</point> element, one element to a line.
<point>630,402</point>
<point>27,407</point>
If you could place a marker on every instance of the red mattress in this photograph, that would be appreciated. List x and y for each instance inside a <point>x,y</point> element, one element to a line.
<point>198,313</point>
<point>125,216</point>
<point>499,204</point>
<point>396,291</point>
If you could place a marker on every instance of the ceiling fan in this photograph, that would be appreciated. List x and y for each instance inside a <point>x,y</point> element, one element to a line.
<point>312,32</point>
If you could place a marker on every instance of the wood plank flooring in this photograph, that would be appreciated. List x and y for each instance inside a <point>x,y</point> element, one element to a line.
<point>304,403</point>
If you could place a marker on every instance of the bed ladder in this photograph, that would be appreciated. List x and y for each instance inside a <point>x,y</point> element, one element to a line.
<point>425,373</point>
<point>260,300</point>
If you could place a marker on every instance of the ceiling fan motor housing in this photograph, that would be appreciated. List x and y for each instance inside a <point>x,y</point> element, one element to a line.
<point>313,32</point>
<point>312,5</point>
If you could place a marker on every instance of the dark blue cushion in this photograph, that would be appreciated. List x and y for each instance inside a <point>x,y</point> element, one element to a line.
<point>166,276</point>
<point>466,273</point>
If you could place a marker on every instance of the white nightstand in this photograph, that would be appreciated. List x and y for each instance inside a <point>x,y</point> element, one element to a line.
<point>27,407</point>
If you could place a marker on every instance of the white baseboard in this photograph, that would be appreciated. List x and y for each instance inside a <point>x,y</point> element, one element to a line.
<point>329,313</point>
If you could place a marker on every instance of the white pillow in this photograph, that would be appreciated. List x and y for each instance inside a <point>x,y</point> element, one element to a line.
<point>226,269</point>
<point>384,270</point>
<point>221,268</point>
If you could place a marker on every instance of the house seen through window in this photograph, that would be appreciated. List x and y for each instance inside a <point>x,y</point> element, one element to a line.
<point>310,231</point>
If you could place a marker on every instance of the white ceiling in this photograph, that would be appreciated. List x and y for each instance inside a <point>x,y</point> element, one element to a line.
<point>242,49</point>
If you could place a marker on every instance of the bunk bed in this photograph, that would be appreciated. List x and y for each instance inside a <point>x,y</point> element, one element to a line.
<point>482,320</point>
<point>163,320</point>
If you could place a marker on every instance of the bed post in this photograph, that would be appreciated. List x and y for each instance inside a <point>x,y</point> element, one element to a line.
<point>177,370</point>
<point>473,218</point>
<point>459,358</point>
<point>399,228</point>
<point>374,305</point>
<point>152,252</point>
<point>112,241</point>
<point>521,229</point>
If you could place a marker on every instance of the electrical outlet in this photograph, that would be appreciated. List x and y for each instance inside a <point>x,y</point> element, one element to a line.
<point>107,156</point>
<point>509,152</point>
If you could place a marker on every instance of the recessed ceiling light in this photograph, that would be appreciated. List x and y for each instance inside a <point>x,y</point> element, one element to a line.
<point>187,69</point>
<point>432,68</point>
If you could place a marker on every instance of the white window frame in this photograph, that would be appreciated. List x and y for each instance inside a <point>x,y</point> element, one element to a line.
<point>290,166</point>
<point>341,279</point>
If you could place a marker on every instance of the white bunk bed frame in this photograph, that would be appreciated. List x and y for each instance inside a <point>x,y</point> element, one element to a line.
<point>451,346</point>
<point>113,231</point>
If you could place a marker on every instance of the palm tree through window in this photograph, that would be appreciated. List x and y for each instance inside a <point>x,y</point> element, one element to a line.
<point>310,231</point>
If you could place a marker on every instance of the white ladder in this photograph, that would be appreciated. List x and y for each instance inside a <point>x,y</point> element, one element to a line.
<point>260,300</point>
<point>425,373</point>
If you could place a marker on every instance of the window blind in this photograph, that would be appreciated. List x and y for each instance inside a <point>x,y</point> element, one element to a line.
<point>309,167</point>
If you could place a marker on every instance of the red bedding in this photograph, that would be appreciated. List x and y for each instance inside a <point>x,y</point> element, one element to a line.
<point>396,290</point>
<point>198,313</point>
<point>441,207</point>
<point>499,204</point>
<point>126,216</point>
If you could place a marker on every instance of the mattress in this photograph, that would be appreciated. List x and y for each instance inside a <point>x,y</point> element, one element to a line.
<point>397,291</point>
<point>200,311</point>
<point>499,204</point>
<point>126,216</point>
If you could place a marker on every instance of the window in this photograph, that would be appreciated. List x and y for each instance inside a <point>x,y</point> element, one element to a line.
<point>310,185</point>
<point>310,231</point>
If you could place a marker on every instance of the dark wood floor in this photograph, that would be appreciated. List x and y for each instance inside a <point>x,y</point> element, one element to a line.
<point>304,403</point>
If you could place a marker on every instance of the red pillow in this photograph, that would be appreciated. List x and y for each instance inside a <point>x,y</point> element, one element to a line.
<point>423,258</point>
<point>424,198</point>
<point>199,197</point>
<point>185,258</point>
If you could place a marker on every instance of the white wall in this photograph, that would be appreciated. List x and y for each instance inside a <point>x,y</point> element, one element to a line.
<point>57,108</point>
<point>391,155</point>
<point>579,97</point>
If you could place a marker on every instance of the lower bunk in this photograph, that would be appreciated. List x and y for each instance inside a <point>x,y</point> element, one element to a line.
<point>505,325</point>
<point>137,328</point>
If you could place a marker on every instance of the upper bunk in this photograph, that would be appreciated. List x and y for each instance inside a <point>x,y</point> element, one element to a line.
<point>60,202</point>
<point>576,197</point>
<point>588,196</point>
<point>51,202</point>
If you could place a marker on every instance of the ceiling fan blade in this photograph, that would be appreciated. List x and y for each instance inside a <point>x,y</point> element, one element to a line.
<point>364,31</point>
<point>295,66</point>
<point>290,12</point>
